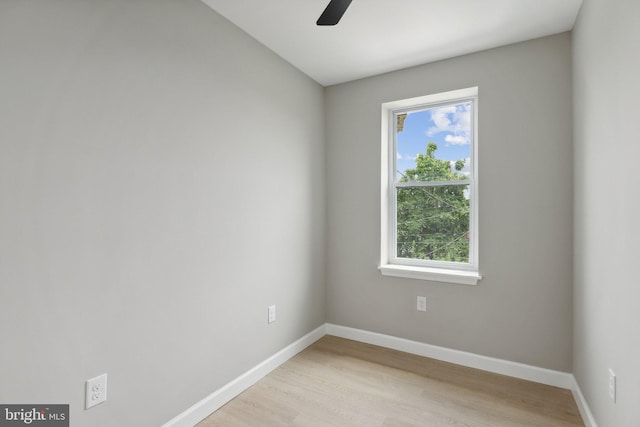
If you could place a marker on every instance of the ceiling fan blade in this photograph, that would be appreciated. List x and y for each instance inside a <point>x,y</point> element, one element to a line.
<point>334,11</point>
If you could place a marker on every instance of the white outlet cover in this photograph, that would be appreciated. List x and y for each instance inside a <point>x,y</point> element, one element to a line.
<point>95,391</point>
<point>421,304</point>
<point>272,314</point>
<point>612,385</point>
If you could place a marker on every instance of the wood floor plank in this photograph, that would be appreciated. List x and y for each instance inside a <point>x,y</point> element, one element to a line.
<point>338,382</point>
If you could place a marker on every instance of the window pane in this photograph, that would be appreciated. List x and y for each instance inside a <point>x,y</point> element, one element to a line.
<point>434,144</point>
<point>433,223</point>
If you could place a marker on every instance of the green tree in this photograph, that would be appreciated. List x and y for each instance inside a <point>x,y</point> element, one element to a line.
<point>433,221</point>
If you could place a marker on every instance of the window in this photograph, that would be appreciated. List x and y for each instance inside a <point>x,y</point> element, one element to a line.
<point>429,224</point>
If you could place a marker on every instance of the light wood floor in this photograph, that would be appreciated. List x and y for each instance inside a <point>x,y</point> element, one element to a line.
<point>338,382</point>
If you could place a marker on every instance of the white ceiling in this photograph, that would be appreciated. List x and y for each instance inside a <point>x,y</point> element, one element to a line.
<point>377,36</point>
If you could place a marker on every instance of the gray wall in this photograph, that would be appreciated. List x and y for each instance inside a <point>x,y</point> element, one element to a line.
<point>607,208</point>
<point>162,183</point>
<point>522,309</point>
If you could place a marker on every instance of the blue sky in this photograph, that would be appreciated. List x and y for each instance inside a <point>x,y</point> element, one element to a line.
<point>448,126</point>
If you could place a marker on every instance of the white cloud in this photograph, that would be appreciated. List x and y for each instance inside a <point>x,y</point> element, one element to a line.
<point>455,120</point>
<point>399,156</point>
<point>442,119</point>
<point>457,139</point>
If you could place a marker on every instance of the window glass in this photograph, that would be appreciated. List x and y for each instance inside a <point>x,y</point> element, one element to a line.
<point>434,144</point>
<point>433,223</point>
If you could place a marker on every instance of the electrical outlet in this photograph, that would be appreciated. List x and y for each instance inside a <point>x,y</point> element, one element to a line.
<point>272,314</point>
<point>612,385</point>
<point>422,304</point>
<point>95,391</point>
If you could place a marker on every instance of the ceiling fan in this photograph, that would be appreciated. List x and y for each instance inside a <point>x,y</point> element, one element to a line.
<point>333,12</point>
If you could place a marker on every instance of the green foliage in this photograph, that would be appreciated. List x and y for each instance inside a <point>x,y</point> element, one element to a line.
<point>433,221</point>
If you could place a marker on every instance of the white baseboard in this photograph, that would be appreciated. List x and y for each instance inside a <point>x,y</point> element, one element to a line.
<point>218,398</point>
<point>498,366</point>
<point>587,416</point>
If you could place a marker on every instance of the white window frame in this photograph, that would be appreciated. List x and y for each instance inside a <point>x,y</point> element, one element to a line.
<point>442,271</point>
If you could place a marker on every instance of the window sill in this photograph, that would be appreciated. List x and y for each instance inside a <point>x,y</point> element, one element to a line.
<point>461,277</point>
